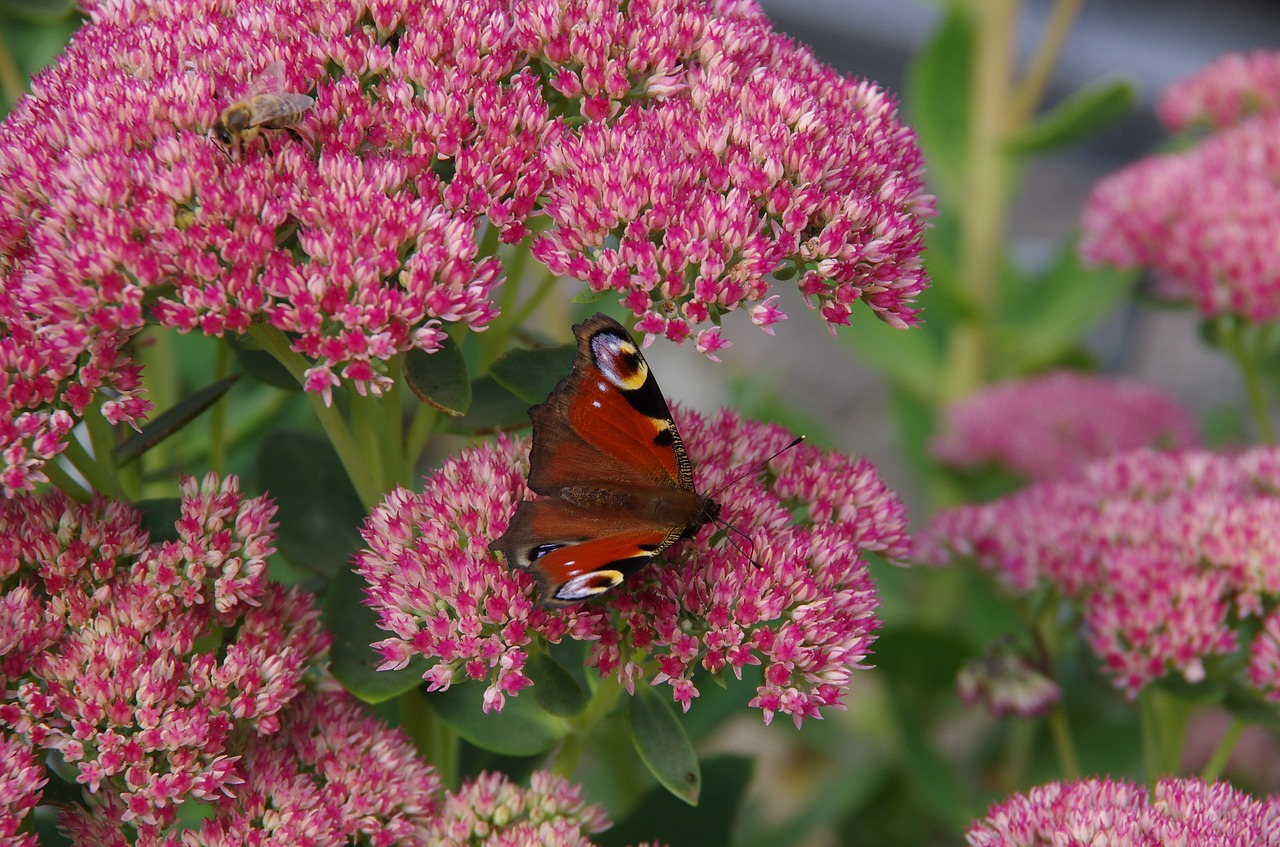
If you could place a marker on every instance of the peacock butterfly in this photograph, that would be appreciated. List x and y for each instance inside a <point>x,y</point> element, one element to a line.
<point>616,482</point>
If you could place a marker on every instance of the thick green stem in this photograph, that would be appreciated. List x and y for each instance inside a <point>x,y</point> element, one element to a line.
<point>1234,334</point>
<point>1063,744</point>
<point>545,286</point>
<point>1163,719</point>
<point>154,349</point>
<point>100,469</point>
<point>421,428</point>
<point>985,193</point>
<point>274,342</point>
<point>218,414</point>
<point>63,481</point>
<point>1222,753</point>
<point>603,699</point>
<point>366,426</point>
<point>396,471</point>
<point>1034,82</point>
<point>431,736</point>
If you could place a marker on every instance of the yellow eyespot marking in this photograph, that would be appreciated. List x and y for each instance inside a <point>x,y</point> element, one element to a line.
<point>620,361</point>
<point>588,585</point>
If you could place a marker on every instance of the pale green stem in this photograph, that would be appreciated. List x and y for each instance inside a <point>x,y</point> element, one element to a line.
<point>1018,745</point>
<point>421,428</point>
<point>545,286</point>
<point>100,470</point>
<point>396,471</point>
<point>274,342</point>
<point>1034,82</point>
<point>260,417</point>
<point>1044,632</point>
<point>366,426</point>
<point>154,350</point>
<point>1222,753</point>
<point>63,481</point>
<point>603,699</point>
<point>1063,744</point>
<point>985,192</point>
<point>1233,332</point>
<point>431,736</point>
<point>1163,718</point>
<point>218,414</point>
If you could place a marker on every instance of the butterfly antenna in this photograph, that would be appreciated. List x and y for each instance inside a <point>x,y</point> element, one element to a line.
<point>748,472</point>
<point>757,466</point>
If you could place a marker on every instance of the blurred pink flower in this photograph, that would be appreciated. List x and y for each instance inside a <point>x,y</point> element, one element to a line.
<point>1123,814</point>
<point>676,151</point>
<point>1204,219</point>
<point>1006,682</point>
<point>805,614</point>
<point>1226,91</point>
<point>1050,426</point>
<point>1168,556</point>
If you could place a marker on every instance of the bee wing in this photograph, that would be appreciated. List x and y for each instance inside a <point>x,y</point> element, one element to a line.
<point>269,81</point>
<point>280,109</point>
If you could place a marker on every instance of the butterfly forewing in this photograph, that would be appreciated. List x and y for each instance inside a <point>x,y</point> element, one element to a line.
<point>608,421</point>
<point>617,483</point>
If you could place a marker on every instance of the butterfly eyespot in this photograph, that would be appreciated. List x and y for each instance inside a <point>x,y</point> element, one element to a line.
<point>620,361</point>
<point>537,552</point>
<point>588,585</point>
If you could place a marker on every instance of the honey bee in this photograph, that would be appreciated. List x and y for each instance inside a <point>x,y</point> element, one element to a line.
<point>266,106</point>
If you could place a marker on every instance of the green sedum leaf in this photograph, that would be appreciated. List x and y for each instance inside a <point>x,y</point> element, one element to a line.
<point>354,627</point>
<point>554,688</point>
<point>493,409</point>
<point>522,728</point>
<point>532,374</point>
<point>261,365</point>
<point>588,295</point>
<point>1045,317</point>
<point>171,420</point>
<point>319,511</point>
<point>937,98</point>
<point>1083,114</point>
<point>909,358</point>
<point>440,379</point>
<point>660,818</point>
<point>663,744</point>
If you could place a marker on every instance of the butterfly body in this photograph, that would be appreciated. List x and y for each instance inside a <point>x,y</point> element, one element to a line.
<point>615,481</point>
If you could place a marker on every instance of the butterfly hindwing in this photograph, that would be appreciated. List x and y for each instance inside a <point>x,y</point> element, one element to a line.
<point>616,482</point>
<point>575,553</point>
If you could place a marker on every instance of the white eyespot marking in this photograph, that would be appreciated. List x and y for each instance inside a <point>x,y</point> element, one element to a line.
<point>619,360</point>
<point>596,403</point>
<point>588,585</point>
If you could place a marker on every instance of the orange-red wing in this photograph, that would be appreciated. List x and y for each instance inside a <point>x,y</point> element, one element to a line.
<point>608,421</point>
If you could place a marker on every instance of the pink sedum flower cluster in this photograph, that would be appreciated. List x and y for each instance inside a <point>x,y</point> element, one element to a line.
<point>22,780</point>
<point>1006,682</point>
<point>1050,426</point>
<point>1121,814</point>
<point>805,614</point>
<point>1204,219</point>
<point>494,811</point>
<point>674,152</point>
<point>160,674</point>
<point>1169,557</point>
<point>1230,89</point>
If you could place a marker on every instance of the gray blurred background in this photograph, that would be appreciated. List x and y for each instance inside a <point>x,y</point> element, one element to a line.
<point>1149,42</point>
